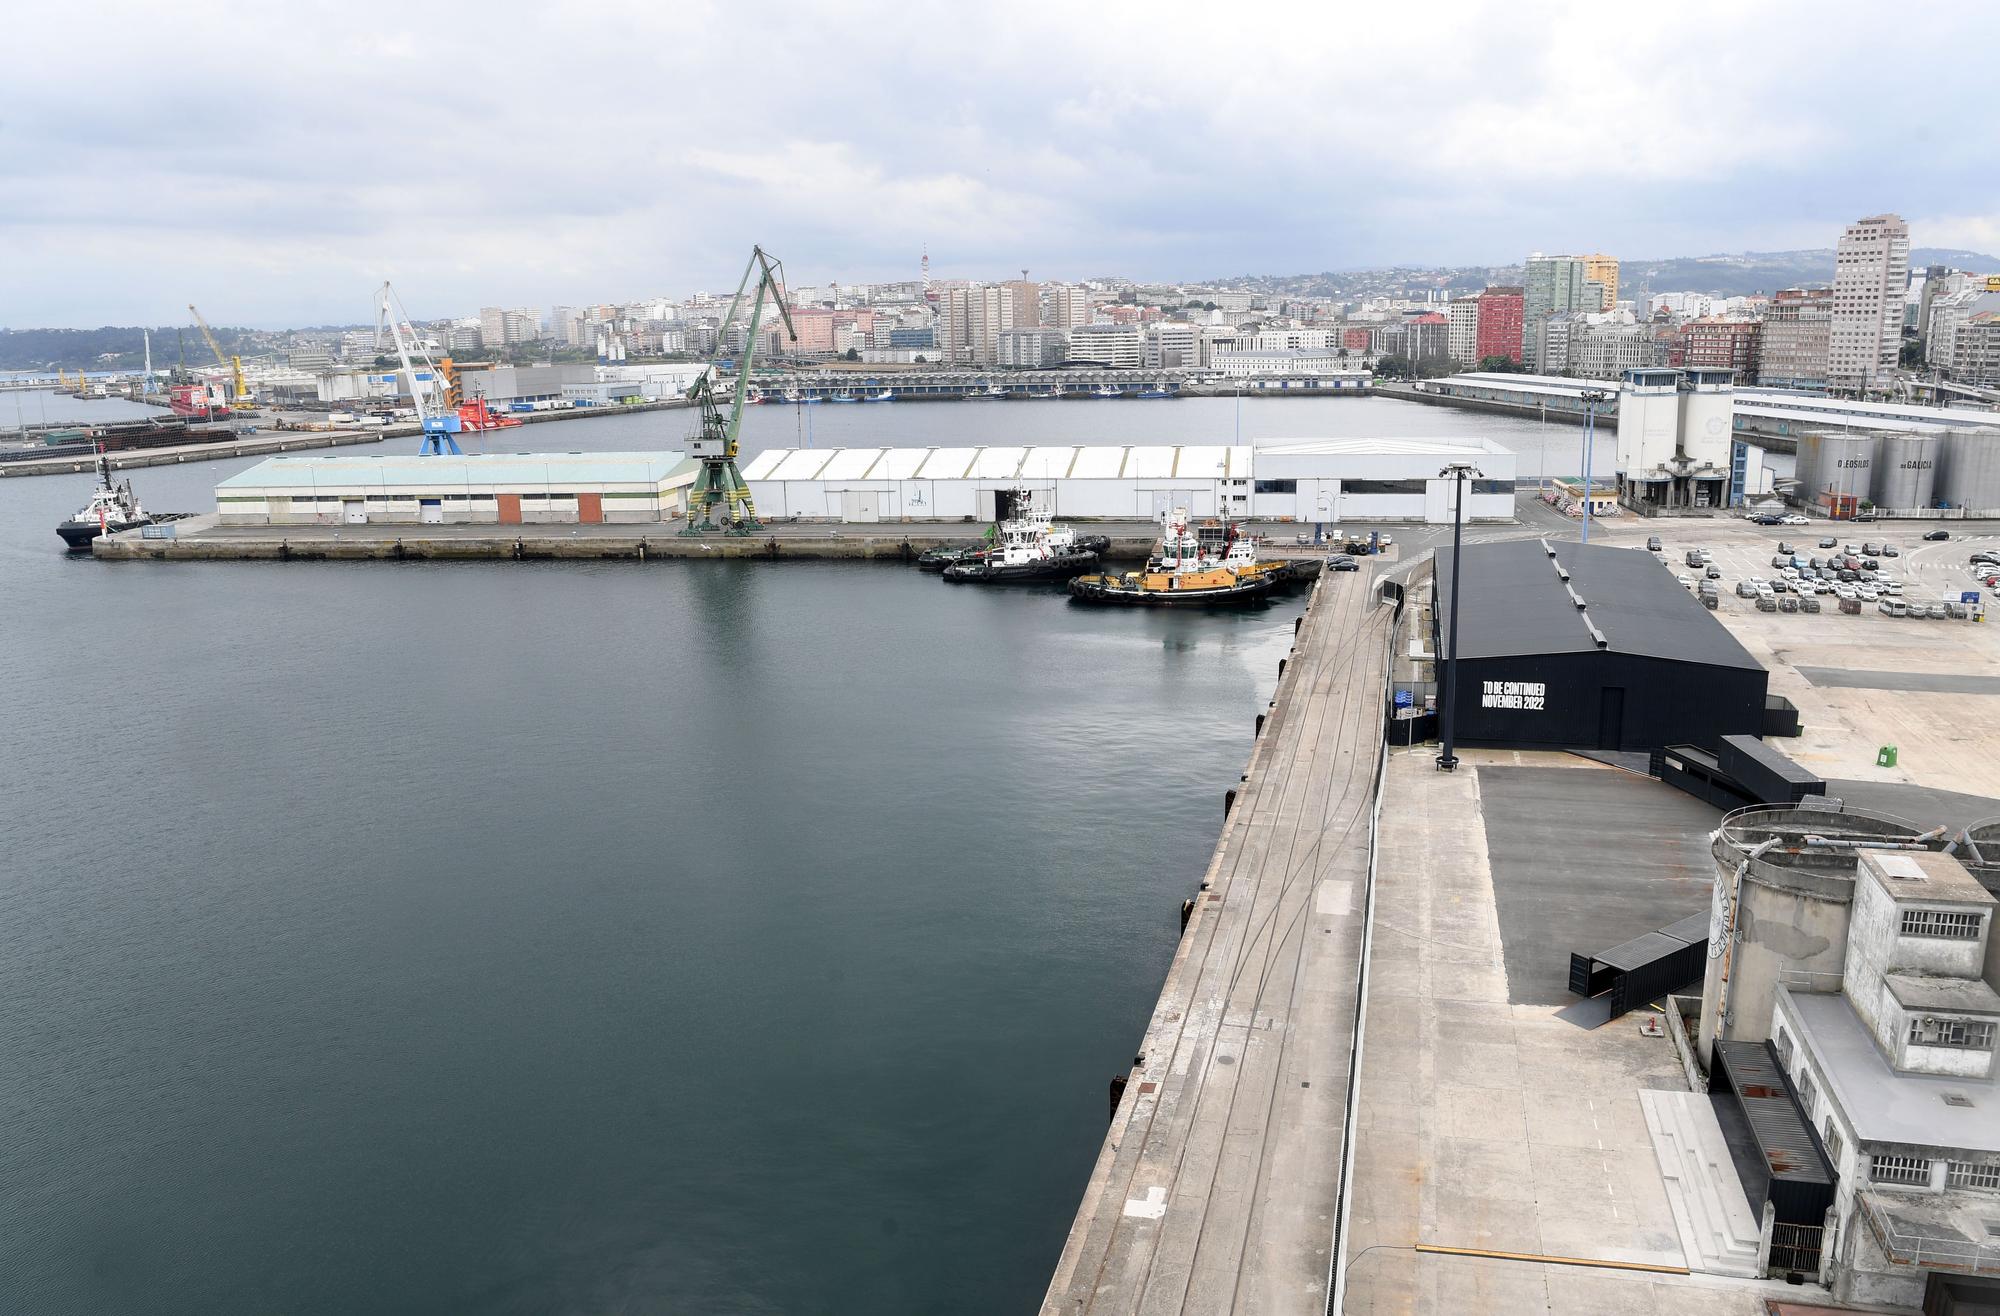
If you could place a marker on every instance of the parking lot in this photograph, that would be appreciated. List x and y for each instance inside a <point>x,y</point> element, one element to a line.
<point>1866,680</point>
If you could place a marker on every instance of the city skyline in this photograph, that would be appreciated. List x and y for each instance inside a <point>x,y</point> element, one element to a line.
<point>537,158</point>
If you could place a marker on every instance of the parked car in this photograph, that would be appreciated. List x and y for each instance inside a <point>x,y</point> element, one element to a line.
<point>1781,559</point>
<point>1936,535</point>
<point>1653,544</point>
<point>1893,608</point>
<point>1793,518</point>
<point>1890,550</point>
<point>1936,612</point>
<point>1692,557</point>
<point>1342,564</point>
<point>1785,548</point>
<point>1808,604</point>
<point>1766,603</point>
<point>1715,573</point>
<point>1828,541</point>
<point>1955,610</point>
<point>1985,557</point>
<point>1764,518</point>
<point>1745,590</point>
<point>1789,603</point>
<point>1870,564</point>
<point>1864,517</point>
<point>1850,549</point>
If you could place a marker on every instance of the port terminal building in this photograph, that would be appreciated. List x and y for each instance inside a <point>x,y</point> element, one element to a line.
<point>1321,481</point>
<point>1587,647</point>
<point>525,488</point>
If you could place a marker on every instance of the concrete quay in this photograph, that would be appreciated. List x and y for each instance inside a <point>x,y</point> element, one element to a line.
<point>203,538</point>
<point>1219,1183</point>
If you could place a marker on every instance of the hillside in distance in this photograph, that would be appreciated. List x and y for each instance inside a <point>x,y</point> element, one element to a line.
<point>1767,271</point>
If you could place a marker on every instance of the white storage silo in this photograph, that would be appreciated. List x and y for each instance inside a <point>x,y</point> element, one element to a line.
<point>1906,471</point>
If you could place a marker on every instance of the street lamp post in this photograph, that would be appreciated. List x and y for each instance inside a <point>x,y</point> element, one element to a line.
<point>1591,398</point>
<point>1447,760</point>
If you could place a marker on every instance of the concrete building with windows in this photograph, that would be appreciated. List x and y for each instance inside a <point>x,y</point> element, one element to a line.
<point>522,488</point>
<point>1793,342</point>
<point>1245,365</point>
<point>1172,345</point>
<point>1121,345</point>
<point>1462,330</point>
<point>1033,348</point>
<point>1304,480</point>
<point>1871,273</point>
<point>1602,270</point>
<point>1975,353</point>
<point>1553,285</point>
<point>1890,1062</point>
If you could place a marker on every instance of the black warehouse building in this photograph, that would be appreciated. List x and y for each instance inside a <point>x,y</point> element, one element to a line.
<point>1567,646</point>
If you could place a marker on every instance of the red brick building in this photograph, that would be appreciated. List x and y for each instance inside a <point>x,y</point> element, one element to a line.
<point>1716,345</point>
<point>1500,314</point>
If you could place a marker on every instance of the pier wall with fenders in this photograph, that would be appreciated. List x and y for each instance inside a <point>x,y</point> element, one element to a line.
<point>201,539</point>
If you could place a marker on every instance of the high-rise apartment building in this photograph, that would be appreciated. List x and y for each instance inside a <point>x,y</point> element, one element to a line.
<point>970,320</point>
<point>1069,305</point>
<point>1462,330</point>
<point>1026,311</point>
<point>1553,286</point>
<point>1603,270</point>
<point>1871,271</point>
<point>1500,314</point>
<point>1792,344</point>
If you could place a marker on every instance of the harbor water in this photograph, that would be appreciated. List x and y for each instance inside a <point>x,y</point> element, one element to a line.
<point>707,937</point>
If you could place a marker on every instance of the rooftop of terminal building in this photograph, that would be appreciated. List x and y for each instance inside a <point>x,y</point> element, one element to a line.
<point>469,468</point>
<point>1526,597</point>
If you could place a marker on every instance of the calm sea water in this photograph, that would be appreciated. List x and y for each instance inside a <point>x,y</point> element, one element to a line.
<point>588,937</point>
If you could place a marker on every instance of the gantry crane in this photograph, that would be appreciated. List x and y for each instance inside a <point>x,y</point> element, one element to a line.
<point>719,482</point>
<point>233,364</point>
<point>427,388</point>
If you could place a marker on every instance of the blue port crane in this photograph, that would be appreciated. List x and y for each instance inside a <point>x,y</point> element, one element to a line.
<point>720,485</point>
<point>427,386</point>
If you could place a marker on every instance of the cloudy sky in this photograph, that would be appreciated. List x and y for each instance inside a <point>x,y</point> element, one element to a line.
<point>274,162</point>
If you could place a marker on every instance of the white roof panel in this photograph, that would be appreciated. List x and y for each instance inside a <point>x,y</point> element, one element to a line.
<point>948,463</point>
<point>998,463</point>
<point>901,463</point>
<point>1101,463</point>
<point>1150,463</point>
<point>852,463</point>
<point>807,463</point>
<point>1202,462</point>
<point>1048,463</point>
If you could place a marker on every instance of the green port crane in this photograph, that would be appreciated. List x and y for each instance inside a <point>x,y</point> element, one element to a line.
<point>720,484</point>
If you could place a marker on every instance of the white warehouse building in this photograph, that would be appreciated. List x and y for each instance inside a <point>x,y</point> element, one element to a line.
<point>1306,480</point>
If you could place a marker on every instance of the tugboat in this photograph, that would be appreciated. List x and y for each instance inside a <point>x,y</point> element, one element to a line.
<point>113,507</point>
<point>1027,549</point>
<point>1188,572</point>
